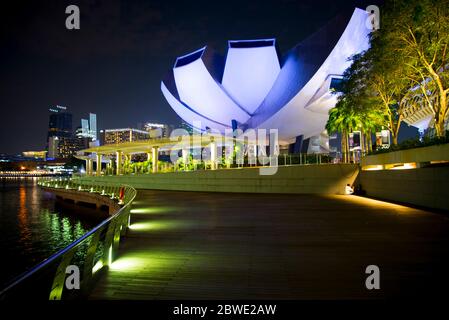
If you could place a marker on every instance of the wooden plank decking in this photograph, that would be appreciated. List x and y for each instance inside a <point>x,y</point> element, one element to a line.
<point>191,245</point>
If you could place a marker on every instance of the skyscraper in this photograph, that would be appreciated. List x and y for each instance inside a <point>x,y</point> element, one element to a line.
<point>60,122</point>
<point>84,128</point>
<point>52,147</point>
<point>156,130</point>
<point>59,127</point>
<point>88,128</point>
<point>93,126</point>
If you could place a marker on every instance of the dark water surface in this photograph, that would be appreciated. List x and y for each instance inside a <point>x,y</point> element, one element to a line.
<point>34,225</point>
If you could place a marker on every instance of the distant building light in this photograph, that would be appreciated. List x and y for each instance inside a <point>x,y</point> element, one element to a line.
<point>127,129</point>
<point>154,125</point>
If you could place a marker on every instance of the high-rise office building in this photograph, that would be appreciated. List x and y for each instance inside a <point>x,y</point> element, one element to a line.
<point>83,138</point>
<point>88,128</point>
<point>59,127</point>
<point>84,132</point>
<point>93,126</point>
<point>53,144</point>
<point>60,122</point>
<point>68,147</point>
<point>62,142</point>
<point>112,136</point>
<point>156,130</point>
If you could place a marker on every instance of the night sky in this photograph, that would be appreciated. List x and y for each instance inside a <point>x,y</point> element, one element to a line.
<point>113,65</point>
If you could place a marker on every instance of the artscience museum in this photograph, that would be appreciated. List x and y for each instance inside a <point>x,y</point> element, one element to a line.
<point>255,86</point>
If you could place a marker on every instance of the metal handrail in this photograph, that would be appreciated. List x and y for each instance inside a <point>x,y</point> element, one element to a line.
<point>246,161</point>
<point>116,226</point>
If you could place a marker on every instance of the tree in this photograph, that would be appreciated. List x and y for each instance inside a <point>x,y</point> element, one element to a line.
<point>418,32</point>
<point>375,87</point>
<point>336,124</point>
<point>344,119</point>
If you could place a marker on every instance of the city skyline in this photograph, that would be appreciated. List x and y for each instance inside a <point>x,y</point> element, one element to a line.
<point>113,65</point>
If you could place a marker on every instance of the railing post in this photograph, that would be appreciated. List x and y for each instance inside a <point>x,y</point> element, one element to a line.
<point>107,258</point>
<point>89,260</point>
<point>155,154</point>
<point>57,287</point>
<point>98,168</point>
<point>118,162</point>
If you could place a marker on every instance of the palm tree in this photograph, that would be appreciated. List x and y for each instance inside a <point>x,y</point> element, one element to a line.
<point>345,118</point>
<point>340,121</point>
<point>372,121</point>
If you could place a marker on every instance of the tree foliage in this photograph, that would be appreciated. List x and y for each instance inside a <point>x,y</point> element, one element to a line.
<point>408,57</point>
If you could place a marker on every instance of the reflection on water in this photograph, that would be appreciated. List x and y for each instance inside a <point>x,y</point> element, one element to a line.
<point>33,226</point>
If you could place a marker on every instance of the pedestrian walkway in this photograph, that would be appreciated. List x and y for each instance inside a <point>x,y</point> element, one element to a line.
<point>197,245</point>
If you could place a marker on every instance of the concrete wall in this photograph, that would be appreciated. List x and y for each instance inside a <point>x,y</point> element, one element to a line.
<point>322,179</point>
<point>424,154</point>
<point>427,187</point>
<point>86,197</point>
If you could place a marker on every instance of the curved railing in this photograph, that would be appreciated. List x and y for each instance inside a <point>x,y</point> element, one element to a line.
<point>90,254</point>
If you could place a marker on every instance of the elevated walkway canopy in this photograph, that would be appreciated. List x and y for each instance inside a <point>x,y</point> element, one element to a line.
<point>163,144</point>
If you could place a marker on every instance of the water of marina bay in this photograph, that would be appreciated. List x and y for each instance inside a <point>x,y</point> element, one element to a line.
<point>34,225</point>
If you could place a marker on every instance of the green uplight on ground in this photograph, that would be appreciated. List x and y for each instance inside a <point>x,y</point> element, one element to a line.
<point>110,255</point>
<point>138,262</point>
<point>97,266</point>
<point>152,210</point>
<point>159,225</point>
<point>141,226</point>
<point>127,263</point>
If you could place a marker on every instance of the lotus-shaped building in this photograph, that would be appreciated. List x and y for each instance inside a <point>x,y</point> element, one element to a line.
<point>255,87</point>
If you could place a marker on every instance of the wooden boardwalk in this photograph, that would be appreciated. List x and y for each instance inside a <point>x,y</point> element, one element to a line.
<point>185,245</point>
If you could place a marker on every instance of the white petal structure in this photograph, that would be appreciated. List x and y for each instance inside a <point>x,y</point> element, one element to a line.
<point>251,69</point>
<point>199,90</point>
<point>189,115</point>
<point>254,87</point>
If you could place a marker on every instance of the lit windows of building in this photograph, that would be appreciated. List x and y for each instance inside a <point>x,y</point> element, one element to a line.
<point>53,143</point>
<point>67,147</point>
<point>156,130</point>
<point>113,136</point>
<point>35,154</point>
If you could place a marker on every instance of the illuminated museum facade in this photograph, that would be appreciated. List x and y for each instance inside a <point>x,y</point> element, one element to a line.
<point>255,87</point>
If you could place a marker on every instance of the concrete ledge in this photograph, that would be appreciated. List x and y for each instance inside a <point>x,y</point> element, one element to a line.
<point>416,155</point>
<point>86,197</point>
<point>318,179</point>
<point>426,187</point>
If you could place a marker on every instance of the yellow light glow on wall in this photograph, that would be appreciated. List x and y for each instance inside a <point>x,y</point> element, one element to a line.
<point>405,166</point>
<point>373,167</point>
